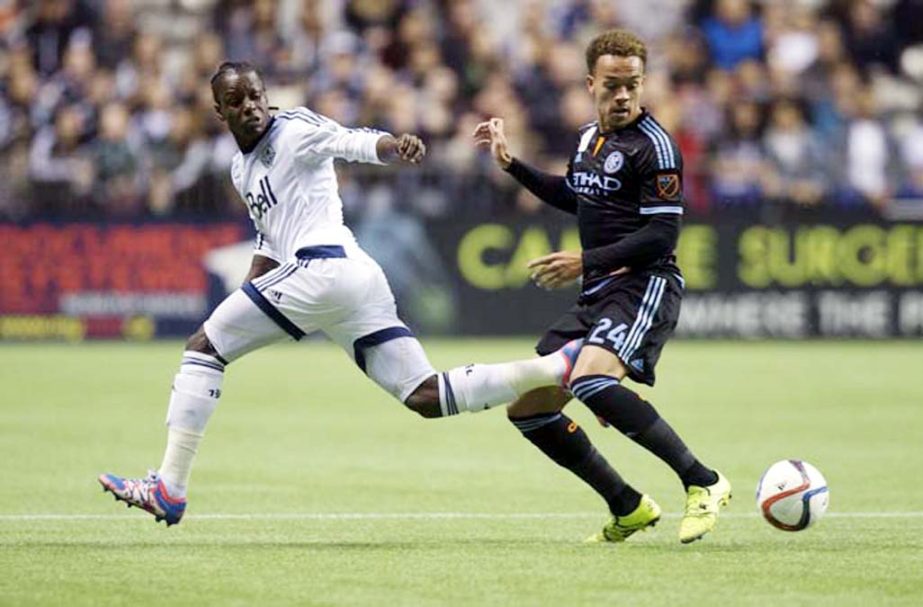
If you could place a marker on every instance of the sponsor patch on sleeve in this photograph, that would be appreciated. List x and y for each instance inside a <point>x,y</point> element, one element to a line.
<point>668,186</point>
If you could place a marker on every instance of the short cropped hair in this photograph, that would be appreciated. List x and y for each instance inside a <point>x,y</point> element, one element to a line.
<point>237,67</point>
<point>620,43</point>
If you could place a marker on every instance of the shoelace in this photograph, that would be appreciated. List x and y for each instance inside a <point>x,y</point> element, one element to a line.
<point>699,505</point>
<point>142,488</point>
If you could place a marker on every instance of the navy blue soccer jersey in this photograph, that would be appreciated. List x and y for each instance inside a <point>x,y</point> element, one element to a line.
<point>622,181</point>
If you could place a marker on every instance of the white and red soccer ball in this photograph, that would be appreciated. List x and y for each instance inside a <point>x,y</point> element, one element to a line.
<point>792,495</point>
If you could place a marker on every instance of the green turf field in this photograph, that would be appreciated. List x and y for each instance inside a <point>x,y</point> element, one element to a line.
<point>314,488</point>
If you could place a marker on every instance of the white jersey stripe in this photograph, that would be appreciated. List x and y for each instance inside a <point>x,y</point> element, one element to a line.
<point>585,139</point>
<point>664,151</point>
<point>277,279</point>
<point>306,114</point>
<point>648,321</point>
<point>269,276</point>
<point>661,209</point>
<point>660,158</point>
<point>667,147</point>
<point>310,121</point>
<point>634,326</point>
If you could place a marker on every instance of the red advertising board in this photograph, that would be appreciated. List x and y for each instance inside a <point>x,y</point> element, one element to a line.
<point>82,280</point>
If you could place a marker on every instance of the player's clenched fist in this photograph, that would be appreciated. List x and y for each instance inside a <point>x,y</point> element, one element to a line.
<point>490,133</point>
<point>407,147</point>
<point>410,148</point>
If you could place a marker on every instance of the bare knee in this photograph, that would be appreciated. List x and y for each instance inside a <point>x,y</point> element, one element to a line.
<point>425,399</point>
<point>548,399</point>
<point>594,360</point>
<point>199,342</point>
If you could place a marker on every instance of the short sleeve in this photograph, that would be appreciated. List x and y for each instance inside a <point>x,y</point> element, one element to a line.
<point>314,138</point>
<point>659,167</point>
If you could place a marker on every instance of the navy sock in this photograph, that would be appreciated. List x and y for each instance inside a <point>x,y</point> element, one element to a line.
<point>638,420</point>
<point>567,444</point>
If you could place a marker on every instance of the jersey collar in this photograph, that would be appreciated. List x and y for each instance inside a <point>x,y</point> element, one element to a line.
<point>256,144</point>
<point>644,114</point>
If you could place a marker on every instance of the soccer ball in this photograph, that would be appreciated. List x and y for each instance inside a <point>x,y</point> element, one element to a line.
<point>792,495</point>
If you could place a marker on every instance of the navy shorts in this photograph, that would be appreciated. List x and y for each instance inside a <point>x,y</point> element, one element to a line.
<point>633,318</point>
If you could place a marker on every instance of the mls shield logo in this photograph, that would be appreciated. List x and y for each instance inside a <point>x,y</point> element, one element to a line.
<point>638,365</point>
<point>668,186</point>
<point>267,156</point>
<point>614,162</point>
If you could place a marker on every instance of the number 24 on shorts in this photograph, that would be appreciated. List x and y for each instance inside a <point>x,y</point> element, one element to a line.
<point>616,336</point>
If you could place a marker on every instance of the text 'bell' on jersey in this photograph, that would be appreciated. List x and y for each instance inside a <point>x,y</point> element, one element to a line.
<point>289,184</point>
<point>624,178</point>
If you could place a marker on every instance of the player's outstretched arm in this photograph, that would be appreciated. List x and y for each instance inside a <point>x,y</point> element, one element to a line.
<point>550,189</point>
<point>407,148</point>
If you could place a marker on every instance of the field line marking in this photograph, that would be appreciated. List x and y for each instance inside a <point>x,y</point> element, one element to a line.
<point>352,516</point>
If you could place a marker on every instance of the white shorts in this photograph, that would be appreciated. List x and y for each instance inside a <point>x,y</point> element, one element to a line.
<point>348,299</point>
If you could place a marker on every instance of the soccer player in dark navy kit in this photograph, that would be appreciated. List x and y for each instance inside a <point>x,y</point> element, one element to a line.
<point>624,184</point>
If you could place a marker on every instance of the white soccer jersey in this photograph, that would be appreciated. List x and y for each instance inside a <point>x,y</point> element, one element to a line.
<point>289,184</point>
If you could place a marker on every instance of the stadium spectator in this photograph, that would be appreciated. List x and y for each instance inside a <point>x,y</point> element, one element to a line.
<point>911,152</point>
<point>871,40</point>
<point>795,155</point>
<point>53,25</point>
<point>791,36</point>
<point>739,161</point>
<point>114,32</point>
<point>362,15</point>
<point>180,162</point>
<point>733,33</point>
<point>142,69</point>
<point>867,151</point>
<point>814,80</point>
<point>115,157</point>
<point>428,65</point>
<point>253,35</point>
<point>307,38</point>
<point>62,174</point>
<point>340,68</point>
<point>907,22</point>
<point>70,85</point>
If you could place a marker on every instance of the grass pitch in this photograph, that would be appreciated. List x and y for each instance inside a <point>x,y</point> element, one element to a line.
<point>314,488</point>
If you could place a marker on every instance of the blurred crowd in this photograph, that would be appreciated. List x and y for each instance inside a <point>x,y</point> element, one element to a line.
<point>105,108</point>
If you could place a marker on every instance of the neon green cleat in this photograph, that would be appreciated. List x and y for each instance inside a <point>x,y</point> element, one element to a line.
<point>702,506</point>
<point>620,528</point>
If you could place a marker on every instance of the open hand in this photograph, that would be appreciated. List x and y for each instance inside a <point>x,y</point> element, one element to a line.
<point>490,133</point>
<point>560,269</point>
<point>556,270</point>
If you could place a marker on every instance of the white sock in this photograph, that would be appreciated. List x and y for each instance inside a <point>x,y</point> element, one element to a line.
<point>196,389</point>
<point>479,387</point>
<point>182,447</point>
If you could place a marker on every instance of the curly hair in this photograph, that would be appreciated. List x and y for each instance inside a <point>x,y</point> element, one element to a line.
<point>621,43</point>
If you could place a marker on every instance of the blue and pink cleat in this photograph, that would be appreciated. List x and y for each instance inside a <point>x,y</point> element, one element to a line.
<point>149,494</point>
<point>570,351</point>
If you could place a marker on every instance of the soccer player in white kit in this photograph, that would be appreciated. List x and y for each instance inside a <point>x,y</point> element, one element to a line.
<point>308,274</point>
